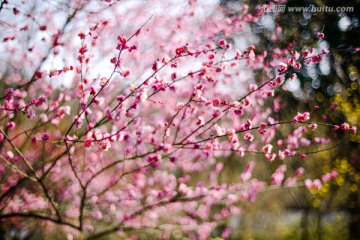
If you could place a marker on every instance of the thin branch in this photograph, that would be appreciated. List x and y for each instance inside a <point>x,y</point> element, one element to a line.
<point>37,216</point>
<point>17,169</point>
<point>245,130</point>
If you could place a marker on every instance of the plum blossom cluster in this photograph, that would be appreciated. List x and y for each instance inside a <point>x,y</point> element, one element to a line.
<point>132,131</point>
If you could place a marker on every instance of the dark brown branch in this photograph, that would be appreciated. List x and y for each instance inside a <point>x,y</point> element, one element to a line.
<point>141,211</point>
